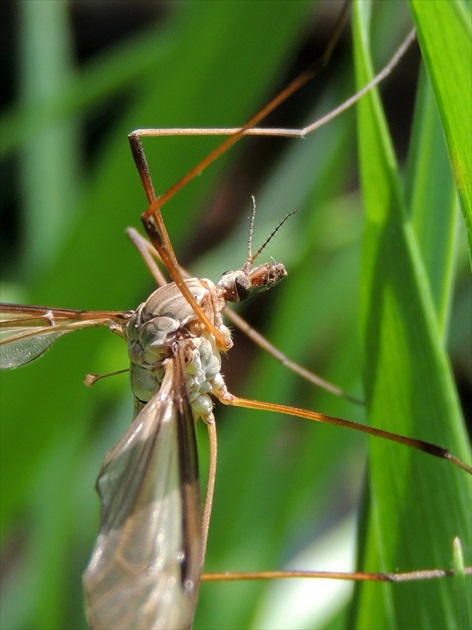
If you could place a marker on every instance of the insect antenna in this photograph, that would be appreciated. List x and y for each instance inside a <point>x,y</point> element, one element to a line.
<point>250,256</point>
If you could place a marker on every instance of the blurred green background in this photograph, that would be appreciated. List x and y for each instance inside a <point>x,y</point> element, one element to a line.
<point>82,76</point>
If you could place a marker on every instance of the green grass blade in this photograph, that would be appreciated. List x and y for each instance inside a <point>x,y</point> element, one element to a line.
<point>431,196</point>
<point>416,505</point>
<point>46,43</point>
<point>445,37</point>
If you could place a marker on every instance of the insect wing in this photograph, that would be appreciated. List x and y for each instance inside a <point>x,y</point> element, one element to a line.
<point>145,567</point>
<point>26,332</point>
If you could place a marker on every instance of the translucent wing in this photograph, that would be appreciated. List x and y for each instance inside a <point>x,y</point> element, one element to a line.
<point>26,332</point>
<point>145,567</point>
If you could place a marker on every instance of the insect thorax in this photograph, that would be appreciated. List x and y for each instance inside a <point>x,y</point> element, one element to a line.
<point>166,320</point>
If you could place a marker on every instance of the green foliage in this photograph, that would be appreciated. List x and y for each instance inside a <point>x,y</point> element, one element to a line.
<point>445,37</point>
<point>407,372</point>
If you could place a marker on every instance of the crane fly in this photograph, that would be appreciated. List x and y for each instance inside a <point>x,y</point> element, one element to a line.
<point>42,328</point>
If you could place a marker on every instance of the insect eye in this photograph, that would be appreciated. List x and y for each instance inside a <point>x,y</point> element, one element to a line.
<point>236,285</point>
<point>243,287</point>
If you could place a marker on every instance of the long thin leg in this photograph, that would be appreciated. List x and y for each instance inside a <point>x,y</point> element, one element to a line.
<point>235,133</point>
<point>420,445</point>
<point>148,253</point>
<point>213,442</point>
<point>357,576</point>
